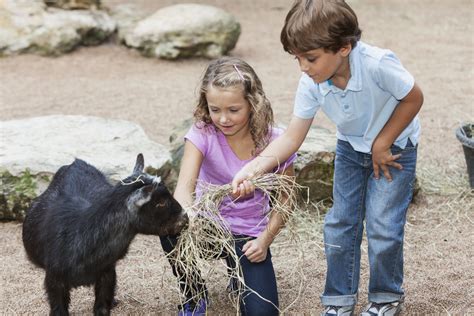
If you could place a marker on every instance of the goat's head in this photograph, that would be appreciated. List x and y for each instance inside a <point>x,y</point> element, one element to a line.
<point>158,213</point>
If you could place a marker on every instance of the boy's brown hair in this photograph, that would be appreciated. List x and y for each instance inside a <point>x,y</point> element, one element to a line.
<point>313,24</point>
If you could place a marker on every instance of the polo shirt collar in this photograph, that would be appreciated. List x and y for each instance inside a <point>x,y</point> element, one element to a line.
<point>355,81</point>
<point>325,87</point>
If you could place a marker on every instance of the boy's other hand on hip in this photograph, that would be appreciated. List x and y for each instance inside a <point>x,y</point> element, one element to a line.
<point>382,159</point>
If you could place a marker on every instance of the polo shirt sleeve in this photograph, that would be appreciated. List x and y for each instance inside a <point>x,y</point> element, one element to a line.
<point>198,137</point>
<point>306,104</point>
<point>393,77</point>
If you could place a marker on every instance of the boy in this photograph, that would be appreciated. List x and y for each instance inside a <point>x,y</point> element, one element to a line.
<point>374,103</point>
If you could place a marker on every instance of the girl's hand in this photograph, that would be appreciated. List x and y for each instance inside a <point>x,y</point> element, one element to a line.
<point>382,158</point>
<point>256,250</point>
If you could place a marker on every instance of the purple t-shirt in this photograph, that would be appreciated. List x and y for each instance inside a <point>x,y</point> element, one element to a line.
<point>220,164</point>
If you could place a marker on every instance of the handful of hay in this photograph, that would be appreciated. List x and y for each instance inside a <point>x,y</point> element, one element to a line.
<point>208,237</point>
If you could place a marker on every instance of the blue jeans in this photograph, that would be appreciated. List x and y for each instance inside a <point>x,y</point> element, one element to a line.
<point>357,196</point>
<point>260,277</point>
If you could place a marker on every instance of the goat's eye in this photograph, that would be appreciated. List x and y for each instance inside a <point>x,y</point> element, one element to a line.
<point>161,203</point>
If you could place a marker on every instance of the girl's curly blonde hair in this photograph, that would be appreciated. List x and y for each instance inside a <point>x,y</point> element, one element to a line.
<point>229,72</point>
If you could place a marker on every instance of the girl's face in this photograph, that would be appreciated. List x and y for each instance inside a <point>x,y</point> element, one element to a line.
<point>229,110</point>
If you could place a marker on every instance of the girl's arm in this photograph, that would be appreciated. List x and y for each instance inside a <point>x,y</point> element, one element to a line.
<point>404,113</point>
<point>188,174</point>
<point>276,152</point>
<point>256,250</point>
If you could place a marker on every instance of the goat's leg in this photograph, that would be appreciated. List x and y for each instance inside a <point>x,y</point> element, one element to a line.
<point>58,295</point>
<point>104,292</point>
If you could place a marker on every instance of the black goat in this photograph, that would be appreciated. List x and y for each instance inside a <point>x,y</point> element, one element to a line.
<point>81,226</point>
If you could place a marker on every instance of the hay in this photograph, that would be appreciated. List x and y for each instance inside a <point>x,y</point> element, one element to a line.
<point>442,180</point>
<point>298,246</point>
<point>208,237</point>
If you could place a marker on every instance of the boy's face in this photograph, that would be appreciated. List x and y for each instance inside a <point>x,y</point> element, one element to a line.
<point>322,65</point>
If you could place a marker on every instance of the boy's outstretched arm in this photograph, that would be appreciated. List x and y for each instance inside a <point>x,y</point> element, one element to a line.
<point>404,113</point>
<point>276,152</point>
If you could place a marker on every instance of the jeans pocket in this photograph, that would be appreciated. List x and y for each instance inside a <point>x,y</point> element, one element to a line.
<point>408,148</point>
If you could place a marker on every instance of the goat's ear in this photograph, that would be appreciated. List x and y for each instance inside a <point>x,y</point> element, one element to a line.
<point>139,164</point>
<point>140,197</point>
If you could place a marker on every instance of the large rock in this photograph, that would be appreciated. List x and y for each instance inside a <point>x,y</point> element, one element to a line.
<point>32,150</point>
<point>126,16</point>
<point>177,148</point>
<point>29,26</point>
<point>314,166</point>
<point>185,30</point>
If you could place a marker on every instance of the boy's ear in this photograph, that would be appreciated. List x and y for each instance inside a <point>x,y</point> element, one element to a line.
<point>345,50</point>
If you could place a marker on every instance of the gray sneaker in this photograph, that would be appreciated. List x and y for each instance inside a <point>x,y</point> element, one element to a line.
<point>383,309</point>
<point>338,311</point>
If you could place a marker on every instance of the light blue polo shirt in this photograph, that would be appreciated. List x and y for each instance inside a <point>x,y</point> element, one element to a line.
<point>378,82</point>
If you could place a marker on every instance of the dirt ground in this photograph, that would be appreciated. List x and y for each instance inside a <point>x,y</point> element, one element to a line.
<point>432,39</point>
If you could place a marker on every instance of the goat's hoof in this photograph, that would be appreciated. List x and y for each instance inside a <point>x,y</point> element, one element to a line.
<point>101,311</point>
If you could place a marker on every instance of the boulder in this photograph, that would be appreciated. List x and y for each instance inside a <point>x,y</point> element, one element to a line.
<point>177,148</point>
<point>29,26</point>
<point>185,30</point>
<point>126,16</point>
<point>32,150</point>
<point>314,166</point>
<point>17,193</point>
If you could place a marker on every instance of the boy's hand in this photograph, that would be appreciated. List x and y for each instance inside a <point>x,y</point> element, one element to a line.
<point>255,250</point>
<point>238,179</point>
<point>244,189</point>
<point>242,186</point>
<point>382,158</point>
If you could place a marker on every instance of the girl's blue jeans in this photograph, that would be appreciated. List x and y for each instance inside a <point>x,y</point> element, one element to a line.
<point>260,277</point>
<point>358,196</point>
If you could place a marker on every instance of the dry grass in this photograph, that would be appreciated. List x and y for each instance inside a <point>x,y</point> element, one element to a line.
<point>439,272</point>
<point>208,237</point>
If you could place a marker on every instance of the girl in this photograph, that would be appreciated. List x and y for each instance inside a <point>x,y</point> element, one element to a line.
<point>233,124</point>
